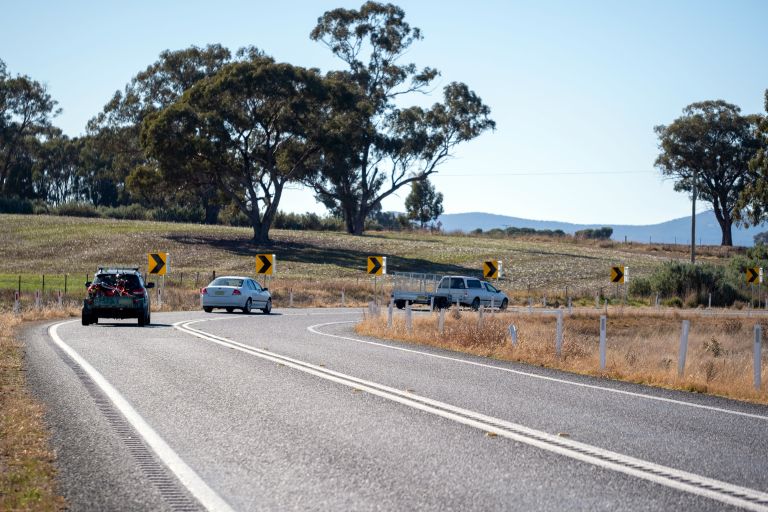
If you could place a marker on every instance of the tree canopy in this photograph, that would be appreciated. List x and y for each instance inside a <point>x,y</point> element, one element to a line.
<point>424,203</point>
<point>386,147</point>
<point>753,202</point>
<point>713,144</point>
<point>249,129</point>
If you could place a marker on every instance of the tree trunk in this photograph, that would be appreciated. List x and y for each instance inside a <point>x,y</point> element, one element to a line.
<point>726,224</point>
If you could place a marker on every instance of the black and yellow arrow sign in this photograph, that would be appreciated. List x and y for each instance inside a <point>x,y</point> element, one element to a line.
<point>617,274</point>
<point>753,275</point>
<point>157,262</point>
<point>265,264</point>
<point>377,265</point>
<point>491,269</point>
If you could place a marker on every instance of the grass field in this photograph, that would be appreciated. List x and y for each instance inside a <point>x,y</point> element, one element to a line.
<point>33,246</point>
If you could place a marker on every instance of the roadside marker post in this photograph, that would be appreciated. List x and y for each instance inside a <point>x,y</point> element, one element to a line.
<point>603,322</point>
<point>16,303</point>
<point>37,299</point>
<point>513,334</point>
<point>758,356</point>
<point>559,334</point>
<point>60,299</point>
<point>390,312</point>
<point>480,312</point>
<point>408,317</point>
<point>441,321</point>
<point>683,348</point>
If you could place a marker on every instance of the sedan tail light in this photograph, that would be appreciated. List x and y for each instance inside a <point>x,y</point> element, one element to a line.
<point>236,292</point>
<point>203,291</point>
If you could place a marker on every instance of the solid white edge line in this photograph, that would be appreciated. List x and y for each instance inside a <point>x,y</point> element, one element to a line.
<point>186,475</point>
<point>632,466</point>
<point>314,329</point>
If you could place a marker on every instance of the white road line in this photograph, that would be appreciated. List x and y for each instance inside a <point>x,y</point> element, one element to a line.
<point>186,475</point>
<point>314,329</point>
<point>723,492</point>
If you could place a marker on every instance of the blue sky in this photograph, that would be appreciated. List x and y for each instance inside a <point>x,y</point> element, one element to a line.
<point>575,87</point>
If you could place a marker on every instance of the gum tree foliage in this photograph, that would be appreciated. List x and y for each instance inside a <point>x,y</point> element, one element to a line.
<point>424,203</point>
<point>26,112</point>
<point>753,203</point>
<point>713,140</point>
<point>385,146</point>
<point>247,130</point>
<point>114,150</point>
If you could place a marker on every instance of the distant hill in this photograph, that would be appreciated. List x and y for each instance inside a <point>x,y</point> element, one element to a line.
<point>677,230</point>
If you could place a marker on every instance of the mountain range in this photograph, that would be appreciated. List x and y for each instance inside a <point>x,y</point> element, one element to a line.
<point>708,231</point>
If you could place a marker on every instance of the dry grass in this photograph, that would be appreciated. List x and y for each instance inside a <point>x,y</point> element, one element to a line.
<point>27,473</point>
<point>642,346</point>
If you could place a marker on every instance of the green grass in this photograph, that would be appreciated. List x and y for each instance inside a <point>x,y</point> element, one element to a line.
<point>36,245</point>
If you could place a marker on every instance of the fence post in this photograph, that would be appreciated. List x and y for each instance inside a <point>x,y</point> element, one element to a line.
<point>603,322</point>
<point>181,279</point>
<point>441,321</point>
<point>513,334</point>
<point>408,317</point>
<point>683,348</point>
<point>43,285</point>
<point>65,284</point>
<point>19,285</point>
<point>758,356</point>
<point>559,334</point>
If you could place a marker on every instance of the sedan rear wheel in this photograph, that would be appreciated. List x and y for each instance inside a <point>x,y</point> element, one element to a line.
<point>247,307</point>
<point>207,309</point>
<point>267,309</point>
<point>504,305</point>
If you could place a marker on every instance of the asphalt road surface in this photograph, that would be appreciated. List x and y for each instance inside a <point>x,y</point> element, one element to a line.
<point>294,411</point>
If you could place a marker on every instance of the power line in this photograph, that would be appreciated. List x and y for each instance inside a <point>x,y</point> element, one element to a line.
<point>542,173</point>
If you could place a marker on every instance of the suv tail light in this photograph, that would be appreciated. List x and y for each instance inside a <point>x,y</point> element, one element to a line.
<point>236,292</point>
<point>138,293</point>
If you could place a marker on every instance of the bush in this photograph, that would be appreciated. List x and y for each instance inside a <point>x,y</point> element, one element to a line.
<point>603,233</point>
<point>75,209</point>
<point>695,282</point>
<point>640,287</point>
<point>15,205</point>
<point>130,212</point>
<point>193,214</point>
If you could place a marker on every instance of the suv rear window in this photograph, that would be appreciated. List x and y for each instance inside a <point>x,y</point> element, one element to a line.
<point>131,280</point>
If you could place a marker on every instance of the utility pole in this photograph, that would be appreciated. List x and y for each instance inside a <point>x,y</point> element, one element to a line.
<point>693,221</point>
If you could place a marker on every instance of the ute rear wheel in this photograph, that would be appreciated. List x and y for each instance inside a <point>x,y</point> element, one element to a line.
<point>207,309</point>
<point>475,304</point>
<point>400,304</point>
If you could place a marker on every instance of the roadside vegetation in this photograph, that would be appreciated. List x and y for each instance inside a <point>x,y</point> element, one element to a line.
<point>642,345</point>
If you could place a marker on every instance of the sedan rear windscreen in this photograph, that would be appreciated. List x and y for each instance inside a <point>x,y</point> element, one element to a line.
<point>223,281</point>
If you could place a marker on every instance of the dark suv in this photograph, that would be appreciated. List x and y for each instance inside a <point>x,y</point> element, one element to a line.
<point>117,293</point>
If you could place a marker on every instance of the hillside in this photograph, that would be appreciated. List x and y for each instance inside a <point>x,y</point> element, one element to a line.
<point>34,245</point>
<point>673,231</point>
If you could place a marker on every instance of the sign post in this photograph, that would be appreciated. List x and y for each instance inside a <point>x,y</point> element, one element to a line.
<point>158,264</point>
<point>492,269</point>
<point>377,266</point>
<point>265,265</point>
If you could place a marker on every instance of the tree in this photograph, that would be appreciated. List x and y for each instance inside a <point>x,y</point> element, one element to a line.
<point>754,198</point>
<point>114,132</point>
<point>26,111</point>
<point>424,204</point>
<point>248,130</point>
<point>386,147</point>
<point>712,144</point>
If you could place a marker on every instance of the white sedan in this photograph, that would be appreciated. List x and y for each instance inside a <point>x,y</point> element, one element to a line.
<point>235,292</point>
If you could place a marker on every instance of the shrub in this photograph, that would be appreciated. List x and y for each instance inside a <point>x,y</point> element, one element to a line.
<point>695,282</point>
<point>640,287</point>
<point>130,212</point>
<point>76,209</point>
<point>193,214</point>
<point>603,233</point>
<point>15,205</point>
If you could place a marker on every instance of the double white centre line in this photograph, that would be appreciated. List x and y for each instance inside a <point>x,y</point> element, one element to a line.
<point>724,492</point>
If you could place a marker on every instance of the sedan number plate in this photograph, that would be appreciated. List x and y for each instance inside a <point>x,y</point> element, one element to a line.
<point>219,292</point>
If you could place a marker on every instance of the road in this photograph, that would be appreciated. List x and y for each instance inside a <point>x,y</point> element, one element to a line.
<point>294,411</point>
